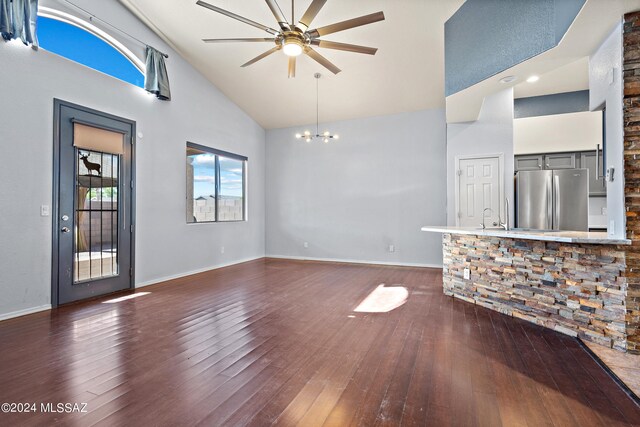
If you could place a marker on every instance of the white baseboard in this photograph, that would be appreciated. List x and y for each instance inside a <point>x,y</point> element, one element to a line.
<point>189,273</point>
<point>356,261</point>
<point>24,312</point>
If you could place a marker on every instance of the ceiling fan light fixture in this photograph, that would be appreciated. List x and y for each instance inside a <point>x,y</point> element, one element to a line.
<point>292,45</point>
<point>292,49</point>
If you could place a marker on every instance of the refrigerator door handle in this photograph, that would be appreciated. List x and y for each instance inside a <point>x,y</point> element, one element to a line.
<point>556,205</point>
<point>549,224</point>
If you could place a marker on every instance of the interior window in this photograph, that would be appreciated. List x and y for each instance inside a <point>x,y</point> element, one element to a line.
<point>86,48</point>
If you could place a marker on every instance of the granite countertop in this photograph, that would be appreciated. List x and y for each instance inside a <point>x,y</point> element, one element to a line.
<point>597,238</point>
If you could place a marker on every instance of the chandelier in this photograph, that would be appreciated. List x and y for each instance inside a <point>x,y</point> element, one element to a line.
<point>326,135</point>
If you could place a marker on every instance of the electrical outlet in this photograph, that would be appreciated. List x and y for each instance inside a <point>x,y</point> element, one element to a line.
<point>467,273</point>
<point>604,211</point>
<point>221,249</point>
<point>306,245</point>
<point>44,210</point>
<point>392,248</point>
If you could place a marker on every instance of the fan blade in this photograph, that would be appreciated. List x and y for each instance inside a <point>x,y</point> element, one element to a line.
<point>322,60</point>
<point>266,39</point>
<point>261,56</point>
<point>311,13</point>
<point>238,17</point>
<point>275,9</point>
<point>346,25</point>
<point>345,46</point>
<point>292,67</point>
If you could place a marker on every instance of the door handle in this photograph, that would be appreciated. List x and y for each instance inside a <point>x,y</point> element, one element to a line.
<point>598,175</point>
<point>556,207</point>
<point>65,230</point>
<point>549,223</point>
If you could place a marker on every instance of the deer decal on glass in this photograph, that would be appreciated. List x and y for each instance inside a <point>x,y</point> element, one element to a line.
<point>90,165</point>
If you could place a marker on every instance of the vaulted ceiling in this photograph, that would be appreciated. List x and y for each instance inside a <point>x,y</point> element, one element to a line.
<point>406,74</point>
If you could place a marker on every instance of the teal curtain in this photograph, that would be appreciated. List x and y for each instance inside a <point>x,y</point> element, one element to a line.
<point>18,20</point>
<point>156,80</point>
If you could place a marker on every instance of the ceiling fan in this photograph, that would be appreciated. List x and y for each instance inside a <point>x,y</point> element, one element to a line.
<point>297,38</point>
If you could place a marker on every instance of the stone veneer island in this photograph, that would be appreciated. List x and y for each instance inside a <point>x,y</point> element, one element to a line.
<point>572,282</point>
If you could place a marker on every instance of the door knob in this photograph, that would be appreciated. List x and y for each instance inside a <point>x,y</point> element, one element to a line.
<point>65,229</point>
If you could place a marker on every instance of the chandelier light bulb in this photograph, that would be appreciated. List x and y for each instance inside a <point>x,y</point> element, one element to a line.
<point>298,136</point>
<point>326,133</point>
<point>307,133</point>
<point>308,139</point>
<point>336,136</point>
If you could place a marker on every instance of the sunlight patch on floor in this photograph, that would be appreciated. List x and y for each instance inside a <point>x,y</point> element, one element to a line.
<point>383,299</point>
<point>126,297</point>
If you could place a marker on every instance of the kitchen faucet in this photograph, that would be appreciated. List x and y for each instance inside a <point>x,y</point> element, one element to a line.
<point>484,216</point>
<point>504,224</point>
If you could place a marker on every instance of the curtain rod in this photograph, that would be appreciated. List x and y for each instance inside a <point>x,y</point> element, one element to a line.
<point>92,17</point>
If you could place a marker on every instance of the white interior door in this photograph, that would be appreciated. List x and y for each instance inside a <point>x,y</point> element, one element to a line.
<point>479,188</point>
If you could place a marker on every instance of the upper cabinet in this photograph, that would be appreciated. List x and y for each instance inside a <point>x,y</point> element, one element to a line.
<point>529,163</point>
<point>560,161</point>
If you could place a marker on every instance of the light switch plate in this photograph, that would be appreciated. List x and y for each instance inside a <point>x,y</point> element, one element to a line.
<point>44,210</point>
<point>467,274</point>
<point>610,76</point>
<point>610,174</point>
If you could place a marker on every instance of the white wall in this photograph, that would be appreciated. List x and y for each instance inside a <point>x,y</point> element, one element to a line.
<point>376,186</point>
<point>558,132</point>
<point>606,87</point>
<point>165,244</point>
<point>492,133</point>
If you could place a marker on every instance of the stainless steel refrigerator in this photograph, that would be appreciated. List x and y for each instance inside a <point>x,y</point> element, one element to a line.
<point>553,199</point>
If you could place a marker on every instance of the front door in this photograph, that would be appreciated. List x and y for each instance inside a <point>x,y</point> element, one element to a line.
<point>479,191</point>
<point>93,203</point>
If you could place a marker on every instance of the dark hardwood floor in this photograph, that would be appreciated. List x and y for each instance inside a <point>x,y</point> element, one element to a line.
<point>277,342</point>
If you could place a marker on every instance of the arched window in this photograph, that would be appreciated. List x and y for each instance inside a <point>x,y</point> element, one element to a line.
<point>82,42</point>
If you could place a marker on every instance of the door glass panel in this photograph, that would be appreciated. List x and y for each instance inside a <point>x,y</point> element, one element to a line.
<point>96,215</point>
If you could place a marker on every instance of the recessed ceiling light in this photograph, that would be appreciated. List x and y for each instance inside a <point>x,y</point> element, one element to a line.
<point>533,79</point>
<point>508,79</point>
